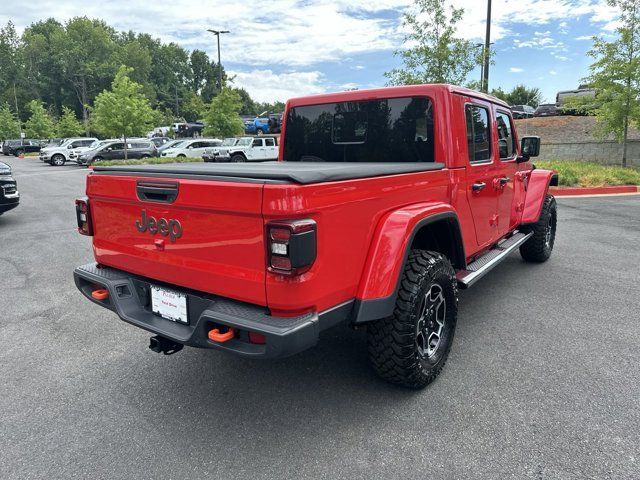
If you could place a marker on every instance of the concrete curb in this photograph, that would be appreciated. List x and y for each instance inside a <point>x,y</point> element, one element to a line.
<point>583,191</point>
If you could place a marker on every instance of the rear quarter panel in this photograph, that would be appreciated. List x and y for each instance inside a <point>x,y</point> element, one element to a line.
<point>347,214</point>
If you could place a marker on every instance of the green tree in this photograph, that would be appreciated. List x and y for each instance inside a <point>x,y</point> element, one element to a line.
<point>9,124</point>
<point>193,107</point>
<point>437,54</point>
<point>223,118</point>
<point>40,124</point>
<point>520,95</point>
<point>86,50</point>
<point>123,111</point>
<point>68,125</point>
<point>615,75</point>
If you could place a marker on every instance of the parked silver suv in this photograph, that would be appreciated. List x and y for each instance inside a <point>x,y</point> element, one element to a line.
<point>58,155</point>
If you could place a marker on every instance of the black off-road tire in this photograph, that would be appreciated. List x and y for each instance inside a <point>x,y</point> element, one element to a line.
<point>540,245</point>
<point>237,158</point>
<point>393,342</point>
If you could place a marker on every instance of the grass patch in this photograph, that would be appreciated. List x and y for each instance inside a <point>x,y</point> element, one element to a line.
<point>147,161</point>
<point>32,154</point>
<point>586,174</point>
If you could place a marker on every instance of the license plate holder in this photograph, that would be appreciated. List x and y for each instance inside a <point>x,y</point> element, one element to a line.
<point>169,304</point>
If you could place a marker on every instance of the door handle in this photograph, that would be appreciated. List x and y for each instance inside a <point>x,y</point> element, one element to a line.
<point>476,187</point>
<point>504,181</point>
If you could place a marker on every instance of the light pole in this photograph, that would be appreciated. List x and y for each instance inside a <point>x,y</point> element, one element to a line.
<point>217,33</point>
<point>487,51</point>
<point>481,46</point>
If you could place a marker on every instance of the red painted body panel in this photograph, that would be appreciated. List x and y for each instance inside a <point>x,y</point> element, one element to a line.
<point>222,247</point>
<point>392,237</point>
<point>347,215</point>
<point>363,226</point>
<point>537,188</point>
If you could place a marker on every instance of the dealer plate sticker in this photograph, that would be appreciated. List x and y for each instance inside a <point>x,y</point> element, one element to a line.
<point>168,304</point>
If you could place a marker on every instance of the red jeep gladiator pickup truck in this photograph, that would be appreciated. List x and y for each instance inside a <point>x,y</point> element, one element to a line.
<point>382,204</point>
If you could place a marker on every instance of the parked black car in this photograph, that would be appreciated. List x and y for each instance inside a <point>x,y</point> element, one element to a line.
<point>546,110</point>
<point>18,147</point>
<point>9,196</point>
<point>115,151</point>
<point>522,111</point>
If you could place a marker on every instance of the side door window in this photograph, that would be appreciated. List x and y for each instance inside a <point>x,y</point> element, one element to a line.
<point>117,150</point>
<point>478,134</point>
<point>197,148</point>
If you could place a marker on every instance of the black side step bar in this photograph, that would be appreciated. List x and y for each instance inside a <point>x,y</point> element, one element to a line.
<point>482,265</point>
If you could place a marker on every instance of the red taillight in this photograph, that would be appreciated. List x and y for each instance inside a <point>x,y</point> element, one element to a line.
<point>291,246</point>
<point>83,216</point>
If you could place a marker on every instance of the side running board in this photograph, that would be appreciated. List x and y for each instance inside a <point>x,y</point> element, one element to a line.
<point>482,265</point>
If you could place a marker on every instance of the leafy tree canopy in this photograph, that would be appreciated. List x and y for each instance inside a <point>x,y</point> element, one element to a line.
<point>123,111</point>
<point>223,118</point>
<point>68,125</point>
<point>9,124</point>
<point>520,95</point>
<point>615,74</point>
<point>40,124</point>
<point>436,54</point>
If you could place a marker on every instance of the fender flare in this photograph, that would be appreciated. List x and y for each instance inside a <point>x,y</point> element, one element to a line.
<point>537,189</point>
<point>388,254</point>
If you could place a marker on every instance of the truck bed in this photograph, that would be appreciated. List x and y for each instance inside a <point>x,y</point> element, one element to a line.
<point>303,173</point>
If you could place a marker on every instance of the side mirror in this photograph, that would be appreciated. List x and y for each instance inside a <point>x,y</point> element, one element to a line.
<point>109,149</point>
<point>530,147</point>
<point>69,147</point>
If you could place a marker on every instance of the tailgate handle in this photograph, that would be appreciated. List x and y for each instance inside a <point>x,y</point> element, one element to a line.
<point>163,192</point>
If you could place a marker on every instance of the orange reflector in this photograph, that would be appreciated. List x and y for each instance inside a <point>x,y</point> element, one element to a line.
<point>216,336</point>
<point>100,294</point>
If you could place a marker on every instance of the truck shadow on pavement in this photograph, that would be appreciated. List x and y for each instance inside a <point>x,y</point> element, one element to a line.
<point>211,393</point>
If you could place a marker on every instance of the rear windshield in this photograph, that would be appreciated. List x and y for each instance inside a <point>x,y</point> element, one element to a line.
<point>387,130</point>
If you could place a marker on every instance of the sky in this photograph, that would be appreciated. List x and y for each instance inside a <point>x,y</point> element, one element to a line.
<point>279,49</point>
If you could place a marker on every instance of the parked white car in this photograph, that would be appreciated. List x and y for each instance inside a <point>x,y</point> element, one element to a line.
<point>249,149</point>
<point>191,148</point>
<point>60,154</point>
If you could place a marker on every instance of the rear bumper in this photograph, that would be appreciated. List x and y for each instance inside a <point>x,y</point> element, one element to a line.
<point>129,298</point>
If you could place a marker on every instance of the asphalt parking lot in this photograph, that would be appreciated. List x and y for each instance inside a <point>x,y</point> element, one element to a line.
<point>542,382</point>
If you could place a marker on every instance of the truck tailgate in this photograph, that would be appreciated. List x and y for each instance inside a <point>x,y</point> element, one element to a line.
<point>217,243</point>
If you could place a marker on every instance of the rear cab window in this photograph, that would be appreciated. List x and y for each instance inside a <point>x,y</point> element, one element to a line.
<point>478,133</point>
<point>380,130</point>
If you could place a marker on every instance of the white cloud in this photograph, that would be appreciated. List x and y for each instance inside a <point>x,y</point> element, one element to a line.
<point>553,72</point>
<point>297,36</point>
<point>584,37</point>
<point>267,86</point>
<point>516,70</point>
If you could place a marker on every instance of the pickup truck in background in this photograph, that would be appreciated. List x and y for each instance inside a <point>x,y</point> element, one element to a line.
<point>248,149</point>
<point>384,204</point>
<point>257,126</point>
